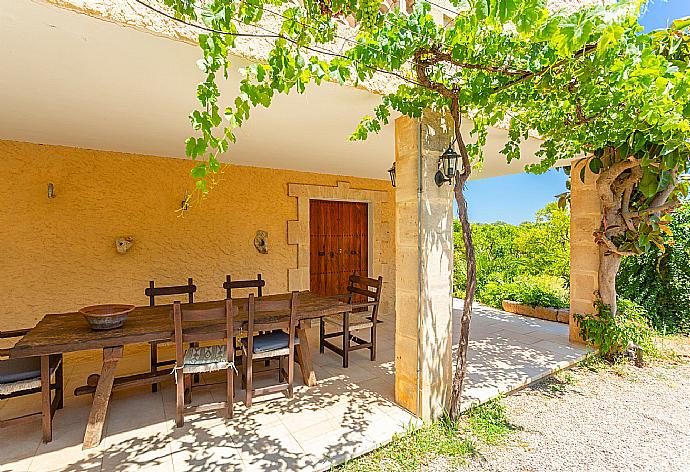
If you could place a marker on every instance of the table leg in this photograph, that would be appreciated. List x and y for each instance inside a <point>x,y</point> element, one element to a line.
<point>304,357</point>
<point>99,408</point>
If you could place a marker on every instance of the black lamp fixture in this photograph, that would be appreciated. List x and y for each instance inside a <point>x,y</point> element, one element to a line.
<point>391,171</point>
<point>447,166</point>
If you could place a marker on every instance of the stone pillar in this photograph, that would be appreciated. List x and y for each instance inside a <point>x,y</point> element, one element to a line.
<point>424,267</point>
<point>585,218</point>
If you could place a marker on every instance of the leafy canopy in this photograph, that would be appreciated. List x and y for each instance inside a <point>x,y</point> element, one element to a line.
<point>507,60</point>
<point>588,82</point>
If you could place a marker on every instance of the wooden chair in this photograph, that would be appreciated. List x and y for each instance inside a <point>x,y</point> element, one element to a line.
<point>370,291</point>
<point>24,376</point>
<point>257,283</point>
<point>275,344</point>
<point>196,325</point>
<point>152,292</point>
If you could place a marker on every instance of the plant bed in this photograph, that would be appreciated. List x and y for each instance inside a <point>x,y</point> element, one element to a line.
<point>560,315</point>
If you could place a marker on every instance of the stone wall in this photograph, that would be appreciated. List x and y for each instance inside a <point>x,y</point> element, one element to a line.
<point>585,217</point>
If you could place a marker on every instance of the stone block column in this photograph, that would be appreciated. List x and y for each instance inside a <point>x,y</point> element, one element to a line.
<point>585,217</point>
<point>424,267</point>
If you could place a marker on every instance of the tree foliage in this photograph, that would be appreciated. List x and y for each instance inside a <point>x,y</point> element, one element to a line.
<point>541,247</point>
<point>530,260</point>
<point>660,280</point>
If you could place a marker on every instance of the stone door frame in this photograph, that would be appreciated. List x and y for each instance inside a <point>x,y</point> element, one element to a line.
<point>298,230</point>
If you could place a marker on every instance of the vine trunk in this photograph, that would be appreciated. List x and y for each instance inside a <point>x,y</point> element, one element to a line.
<point>463,342</point>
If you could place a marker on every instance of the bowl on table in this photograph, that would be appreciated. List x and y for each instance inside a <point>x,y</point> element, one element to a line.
<point>109,316</point>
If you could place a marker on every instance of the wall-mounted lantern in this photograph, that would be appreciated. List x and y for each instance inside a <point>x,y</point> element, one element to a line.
<point>51,190</point>
<point>391,171</point>
<point>447,166</point>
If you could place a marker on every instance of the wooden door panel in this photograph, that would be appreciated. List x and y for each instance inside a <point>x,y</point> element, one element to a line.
<point>339,244</point>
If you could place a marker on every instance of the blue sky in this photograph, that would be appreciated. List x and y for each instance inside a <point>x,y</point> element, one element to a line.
<point>515,198</point>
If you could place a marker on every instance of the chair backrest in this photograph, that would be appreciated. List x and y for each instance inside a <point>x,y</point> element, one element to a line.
<point>203,324</point>
<point>152,292</point>
<point>257,283</point>
<point>368,290</point>
<point>261,316</point>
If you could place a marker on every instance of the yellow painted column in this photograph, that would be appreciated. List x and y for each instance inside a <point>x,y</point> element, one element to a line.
<point>424,267</point>
<point>585,217</point>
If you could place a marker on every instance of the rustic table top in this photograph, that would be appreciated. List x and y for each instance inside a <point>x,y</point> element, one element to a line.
<point>69,332</point>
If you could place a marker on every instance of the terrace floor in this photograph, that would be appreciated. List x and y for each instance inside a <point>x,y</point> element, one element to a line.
<point>348,413</point>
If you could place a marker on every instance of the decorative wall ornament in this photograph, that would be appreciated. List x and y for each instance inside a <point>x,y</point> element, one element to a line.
<point>51,190</point>
<point>184,206</point>
<point>261,242</point>
<point>124,244</point>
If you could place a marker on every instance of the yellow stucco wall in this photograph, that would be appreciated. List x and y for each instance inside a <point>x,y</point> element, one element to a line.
<point>59,254</point>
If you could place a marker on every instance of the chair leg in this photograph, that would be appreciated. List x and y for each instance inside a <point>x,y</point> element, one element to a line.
<point>154,364</point>
<point>60,383</point>
<point>291,374</point>
<point>45,400</point>
<point>373,343</point>
<point>280,369</point>
<point>249,381</point>
<point>346,339</point>
<point>322,333</point>
<point>179,407</point>
<point>230,392</point>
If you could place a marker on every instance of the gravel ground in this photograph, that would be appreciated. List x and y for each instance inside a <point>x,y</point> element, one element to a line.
<point>613,419</point>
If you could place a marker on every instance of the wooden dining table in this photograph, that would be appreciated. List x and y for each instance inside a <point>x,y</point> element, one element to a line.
<point>70,332</point>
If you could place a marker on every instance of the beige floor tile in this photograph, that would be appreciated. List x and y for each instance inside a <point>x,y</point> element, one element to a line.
<point>127,452</point>
<point>211,457</point>
<point>336,445</point>
<point>19,442</point>
<point>268,448</point>
<point>67,459</point>
<point>16,465</point>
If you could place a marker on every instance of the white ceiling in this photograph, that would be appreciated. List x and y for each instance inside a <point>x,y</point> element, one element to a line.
<point>73,80</point>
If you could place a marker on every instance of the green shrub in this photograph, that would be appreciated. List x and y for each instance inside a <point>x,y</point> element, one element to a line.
<point>660,281</point>
<point>613,334</point>
<point>542,290</point>
<point>504,251</point>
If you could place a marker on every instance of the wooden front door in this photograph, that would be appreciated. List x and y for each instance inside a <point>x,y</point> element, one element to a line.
<point>339,244</point>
